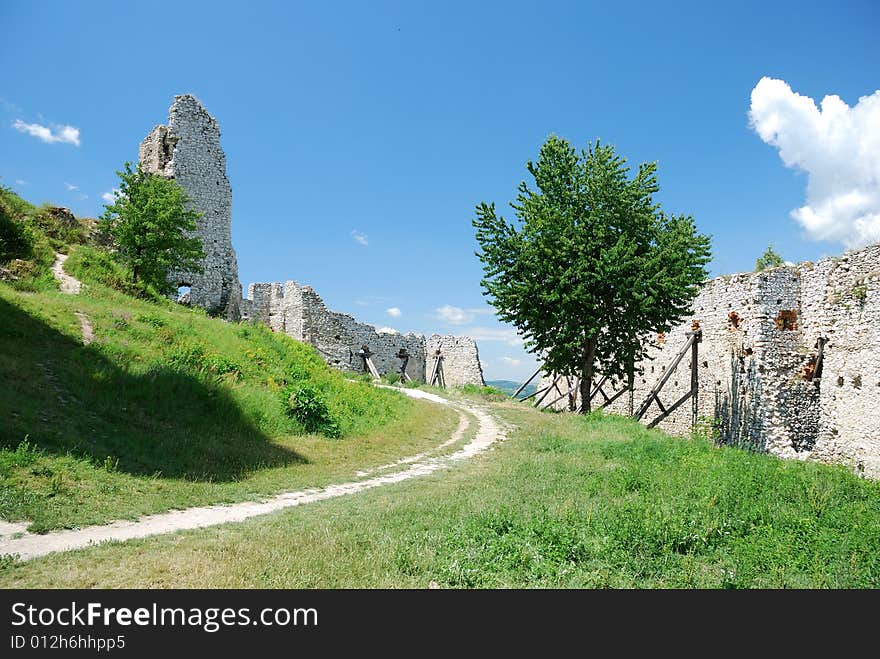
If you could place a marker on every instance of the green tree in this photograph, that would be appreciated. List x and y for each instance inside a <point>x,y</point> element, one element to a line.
<point>769,259</point>
<point>150,223</point>
<point>593,265</point>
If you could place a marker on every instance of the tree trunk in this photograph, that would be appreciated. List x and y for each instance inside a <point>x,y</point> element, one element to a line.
<point>135,268</point>
<point>630,383</point>
<point>587,375</point>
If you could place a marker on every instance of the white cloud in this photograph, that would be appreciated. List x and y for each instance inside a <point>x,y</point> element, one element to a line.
<point>394,312</point>
<point>458,316</point>
<point>71,187</point>
<point>83,196</point>
<point>63,134</point>
<point>360,237</point>
<point>508,336</point>
<point>19,181</point>
<point>110,197</point>
<point>454,315</point>
<point>510,361</point>
<point>839,148</point>
<point>387,330</point>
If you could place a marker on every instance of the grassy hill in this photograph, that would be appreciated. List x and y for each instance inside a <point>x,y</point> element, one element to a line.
<point>167,407</point>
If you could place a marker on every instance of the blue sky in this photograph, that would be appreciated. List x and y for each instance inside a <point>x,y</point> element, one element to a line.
<point>392,120</point>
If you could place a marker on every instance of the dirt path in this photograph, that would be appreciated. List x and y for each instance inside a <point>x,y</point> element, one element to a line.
<point>72,286</point>
<point>69,285</point>
<point>30,545</point>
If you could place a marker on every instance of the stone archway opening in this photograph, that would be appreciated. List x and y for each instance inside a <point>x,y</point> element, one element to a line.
<point>184,294</point>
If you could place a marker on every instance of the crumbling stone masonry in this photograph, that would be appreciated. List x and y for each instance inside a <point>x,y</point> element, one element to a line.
<point>188,150</point>
<point>460,359</point>
<point>300,313</point>
<point>761,379</point>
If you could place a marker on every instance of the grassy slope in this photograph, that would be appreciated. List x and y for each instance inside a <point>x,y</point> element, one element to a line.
<point>168,407</point>
<point>29,237</point>
<point>566,501</point>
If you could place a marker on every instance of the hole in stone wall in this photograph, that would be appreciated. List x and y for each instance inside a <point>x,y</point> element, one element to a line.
<point>183,294</point>
<point>779,301</point>
<point>749,352</point>
<point>705,364</point>
<point>786,320</point>
<point>840,381</point>
<point>857,382</point>
<point>661,338</point>
<point>733,320</point>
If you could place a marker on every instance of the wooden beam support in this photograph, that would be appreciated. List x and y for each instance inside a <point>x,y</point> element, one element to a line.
<point>694,336</point>
<point>671,409</point>
<point>553,384</point>
<point>526,383</point>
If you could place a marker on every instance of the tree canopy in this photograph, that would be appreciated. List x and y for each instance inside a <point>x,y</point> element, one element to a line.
<point>592,265</point>
<point>150,224</point>
<point>769,259</point>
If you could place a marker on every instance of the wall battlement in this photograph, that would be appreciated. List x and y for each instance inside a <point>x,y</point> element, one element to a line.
<point>761,336</point>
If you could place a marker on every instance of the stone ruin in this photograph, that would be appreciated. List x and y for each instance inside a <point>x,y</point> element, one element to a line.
<point>299,312</point>
<point>188,150</point>
<point>788,362</point>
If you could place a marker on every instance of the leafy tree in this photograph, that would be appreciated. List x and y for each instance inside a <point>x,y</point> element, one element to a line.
<point>768,259</point>
<point>593,266</point>
<point>149,223</point>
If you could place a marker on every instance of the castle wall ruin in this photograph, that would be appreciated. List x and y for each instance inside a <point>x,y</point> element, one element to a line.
<point>460,359</point>
<point>188,150</point>
<point>299,312</point>
<point>760,379</point>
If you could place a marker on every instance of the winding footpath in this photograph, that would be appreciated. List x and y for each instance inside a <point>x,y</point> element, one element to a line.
<point>31,545</point>
<point>15,540</point>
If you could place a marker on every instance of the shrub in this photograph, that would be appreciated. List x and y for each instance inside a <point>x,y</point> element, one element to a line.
<point>392,378</point>
<point>15,243</point>
<point>307,405</point>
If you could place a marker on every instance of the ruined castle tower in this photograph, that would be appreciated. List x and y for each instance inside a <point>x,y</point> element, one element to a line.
<point>188,150</point>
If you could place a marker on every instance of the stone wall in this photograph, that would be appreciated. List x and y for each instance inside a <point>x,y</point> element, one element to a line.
<point>757,377</point>
<point>299,312</point>
<point>188,150</point>
<point>460,360</point>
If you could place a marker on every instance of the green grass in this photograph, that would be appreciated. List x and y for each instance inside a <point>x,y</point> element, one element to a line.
<point>171,408</point>
<point>29,237</point>
<point>564,502</point>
